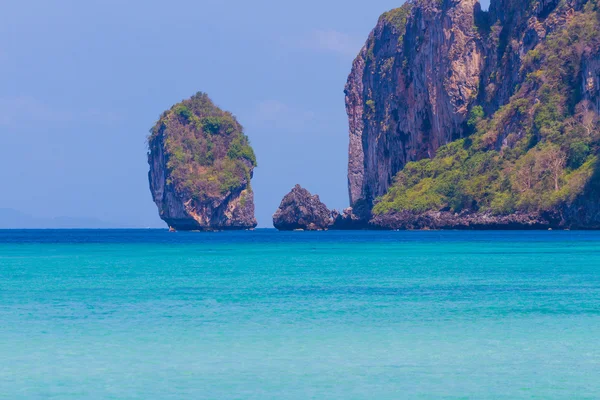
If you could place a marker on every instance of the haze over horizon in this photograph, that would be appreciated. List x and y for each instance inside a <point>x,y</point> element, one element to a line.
<point>88,80</point>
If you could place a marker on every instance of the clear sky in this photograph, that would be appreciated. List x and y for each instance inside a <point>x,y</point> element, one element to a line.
<point>85,80</point>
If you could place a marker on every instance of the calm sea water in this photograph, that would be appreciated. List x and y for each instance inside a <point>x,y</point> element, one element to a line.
<point>268,315</point>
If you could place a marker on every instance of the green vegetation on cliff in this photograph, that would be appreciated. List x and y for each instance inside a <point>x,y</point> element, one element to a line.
<point>536,152</point>
<point>398,17</point>
<point>207,153</point>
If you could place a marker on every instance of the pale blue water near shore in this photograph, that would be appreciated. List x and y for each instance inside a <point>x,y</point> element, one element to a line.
<point>268,315</point>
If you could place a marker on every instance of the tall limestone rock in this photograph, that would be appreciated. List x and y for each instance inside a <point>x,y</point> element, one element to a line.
<point>201,164</point>
<point>503,102</point>
<point>410,90</point>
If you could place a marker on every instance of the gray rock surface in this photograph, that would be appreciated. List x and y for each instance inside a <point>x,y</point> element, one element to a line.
<point>300,210</point>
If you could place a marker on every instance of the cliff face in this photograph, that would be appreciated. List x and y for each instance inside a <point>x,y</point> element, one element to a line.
<point>501,107</point>
<point>423,68</point>
<point>200,168</point>
<point>410,90</point>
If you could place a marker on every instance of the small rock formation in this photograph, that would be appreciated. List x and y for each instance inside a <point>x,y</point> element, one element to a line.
<point>349,219</point>
<point>300,210</point>
<point>201,164</point>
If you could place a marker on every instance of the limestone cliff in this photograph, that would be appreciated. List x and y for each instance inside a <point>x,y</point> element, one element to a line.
<point>410,90</point>
<point>465,118</point>
<point>201,164</point>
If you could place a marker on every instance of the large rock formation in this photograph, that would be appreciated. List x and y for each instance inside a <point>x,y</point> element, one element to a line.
<point>410,90</point>
<point>201,164</point>
<point>505,103</point>
<point>299,209</point>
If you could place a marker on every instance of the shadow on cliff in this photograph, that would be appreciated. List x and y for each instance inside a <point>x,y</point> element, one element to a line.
<point>584,211</point>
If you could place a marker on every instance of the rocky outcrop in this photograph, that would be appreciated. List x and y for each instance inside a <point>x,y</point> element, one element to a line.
<point>421,71</point>
<point>300,210</point>
<point>503,102</point>
<point>410,90</point>
<point>442,220</point>
<point>200,168</point>
<point>349,219</point>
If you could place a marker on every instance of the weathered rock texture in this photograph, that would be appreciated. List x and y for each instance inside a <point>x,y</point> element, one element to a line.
<point>410,90</point>
<point>349,219</point>
<point>422,69</point>
<point>299,209</point>
<point>200,168</point>
<point>437,220</point>
<point>427,65</point>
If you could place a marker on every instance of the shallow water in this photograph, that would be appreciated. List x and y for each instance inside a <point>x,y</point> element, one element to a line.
<point>148,314</point>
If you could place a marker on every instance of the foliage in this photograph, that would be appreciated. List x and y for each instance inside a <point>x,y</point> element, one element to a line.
<point>207,153</point>
<point>535,152</point>
<point>398,18</point>
<point>475,117</point>
<point>370,107</point>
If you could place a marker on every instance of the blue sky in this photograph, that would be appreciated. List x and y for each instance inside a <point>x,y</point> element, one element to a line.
<point>85,80</point>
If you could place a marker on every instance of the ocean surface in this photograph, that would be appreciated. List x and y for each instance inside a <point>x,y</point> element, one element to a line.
<point>148,314</point>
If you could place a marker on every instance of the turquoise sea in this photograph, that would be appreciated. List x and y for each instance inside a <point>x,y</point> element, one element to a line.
<point>147,314</point>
